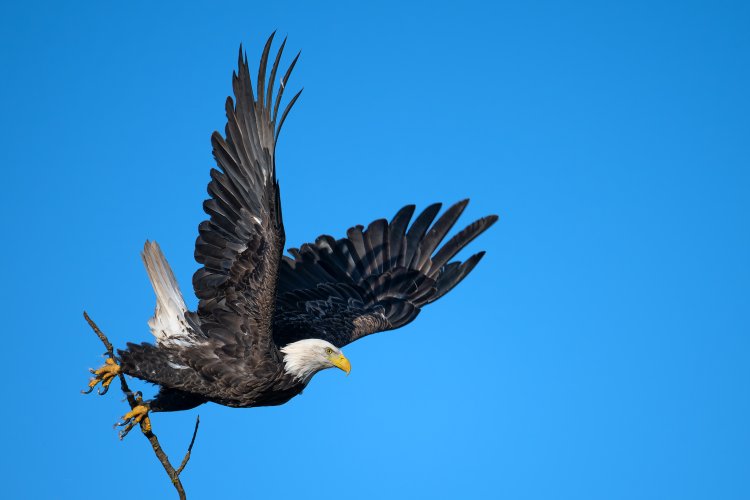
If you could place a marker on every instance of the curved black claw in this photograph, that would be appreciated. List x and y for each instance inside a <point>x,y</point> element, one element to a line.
<point>104,375</point>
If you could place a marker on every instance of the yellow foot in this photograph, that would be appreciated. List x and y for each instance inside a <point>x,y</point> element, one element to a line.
<point>104,375</point>
<point>137,415</point>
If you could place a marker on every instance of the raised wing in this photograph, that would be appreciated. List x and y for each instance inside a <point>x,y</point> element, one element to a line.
<point>374,280</point>
<point>241,244</point>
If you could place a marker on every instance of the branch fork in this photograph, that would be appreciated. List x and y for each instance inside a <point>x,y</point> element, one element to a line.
<point>134,400</point>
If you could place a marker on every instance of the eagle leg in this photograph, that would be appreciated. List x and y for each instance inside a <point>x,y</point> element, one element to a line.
<point>104,375</point>
<point>137,415</point>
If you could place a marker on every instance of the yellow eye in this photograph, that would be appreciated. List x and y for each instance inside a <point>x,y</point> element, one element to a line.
<point>329,351</point>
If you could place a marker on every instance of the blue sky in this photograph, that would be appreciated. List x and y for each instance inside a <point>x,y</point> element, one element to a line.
<point>599,350</point>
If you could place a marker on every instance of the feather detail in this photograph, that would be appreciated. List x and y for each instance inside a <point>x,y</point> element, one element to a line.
<point>374,279</point>
<point>168,324</point>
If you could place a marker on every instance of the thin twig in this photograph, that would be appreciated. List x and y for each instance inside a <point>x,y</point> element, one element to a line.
<point>174,475</point>
<point>190,448</point>
<point>100,334</point>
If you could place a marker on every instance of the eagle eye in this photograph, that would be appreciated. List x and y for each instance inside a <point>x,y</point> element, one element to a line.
<point>329,351</point>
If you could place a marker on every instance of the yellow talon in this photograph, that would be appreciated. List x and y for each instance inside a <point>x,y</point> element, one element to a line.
<point>104,375</point>
<point>137,415</point>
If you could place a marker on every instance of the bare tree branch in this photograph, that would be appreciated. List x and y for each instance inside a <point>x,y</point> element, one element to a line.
<point>190,448</point>
<point>133,401</point>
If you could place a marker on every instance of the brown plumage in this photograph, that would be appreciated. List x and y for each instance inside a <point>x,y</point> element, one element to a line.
<point>255,303</point>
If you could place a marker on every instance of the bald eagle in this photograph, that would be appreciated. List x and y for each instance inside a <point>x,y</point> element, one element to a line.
<point>267,322</point>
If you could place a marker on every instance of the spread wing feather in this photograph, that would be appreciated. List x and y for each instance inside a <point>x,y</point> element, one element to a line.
<point>240,245</point>
<point>373,280</point>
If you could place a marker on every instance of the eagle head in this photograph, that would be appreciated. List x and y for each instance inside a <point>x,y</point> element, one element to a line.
<point>305,358</point>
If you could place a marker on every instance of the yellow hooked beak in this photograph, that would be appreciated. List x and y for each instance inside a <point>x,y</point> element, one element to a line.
<point>341,362</point>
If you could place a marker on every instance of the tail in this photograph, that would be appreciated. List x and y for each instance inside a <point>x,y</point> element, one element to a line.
<point>168,324</point>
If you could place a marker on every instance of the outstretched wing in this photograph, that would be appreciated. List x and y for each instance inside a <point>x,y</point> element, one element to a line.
<point>374,280</point>
<point>240,245</point>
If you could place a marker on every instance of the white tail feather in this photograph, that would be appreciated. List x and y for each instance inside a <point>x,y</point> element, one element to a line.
<point>168,324</point>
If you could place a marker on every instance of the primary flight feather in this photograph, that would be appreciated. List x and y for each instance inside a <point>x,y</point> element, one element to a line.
<point>267,322</point>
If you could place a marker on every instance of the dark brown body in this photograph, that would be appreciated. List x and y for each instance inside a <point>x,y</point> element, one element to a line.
<point>253,300</point>
<point>261,382</point>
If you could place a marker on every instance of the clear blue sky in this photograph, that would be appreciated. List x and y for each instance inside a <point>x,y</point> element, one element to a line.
<point>599,351</point>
